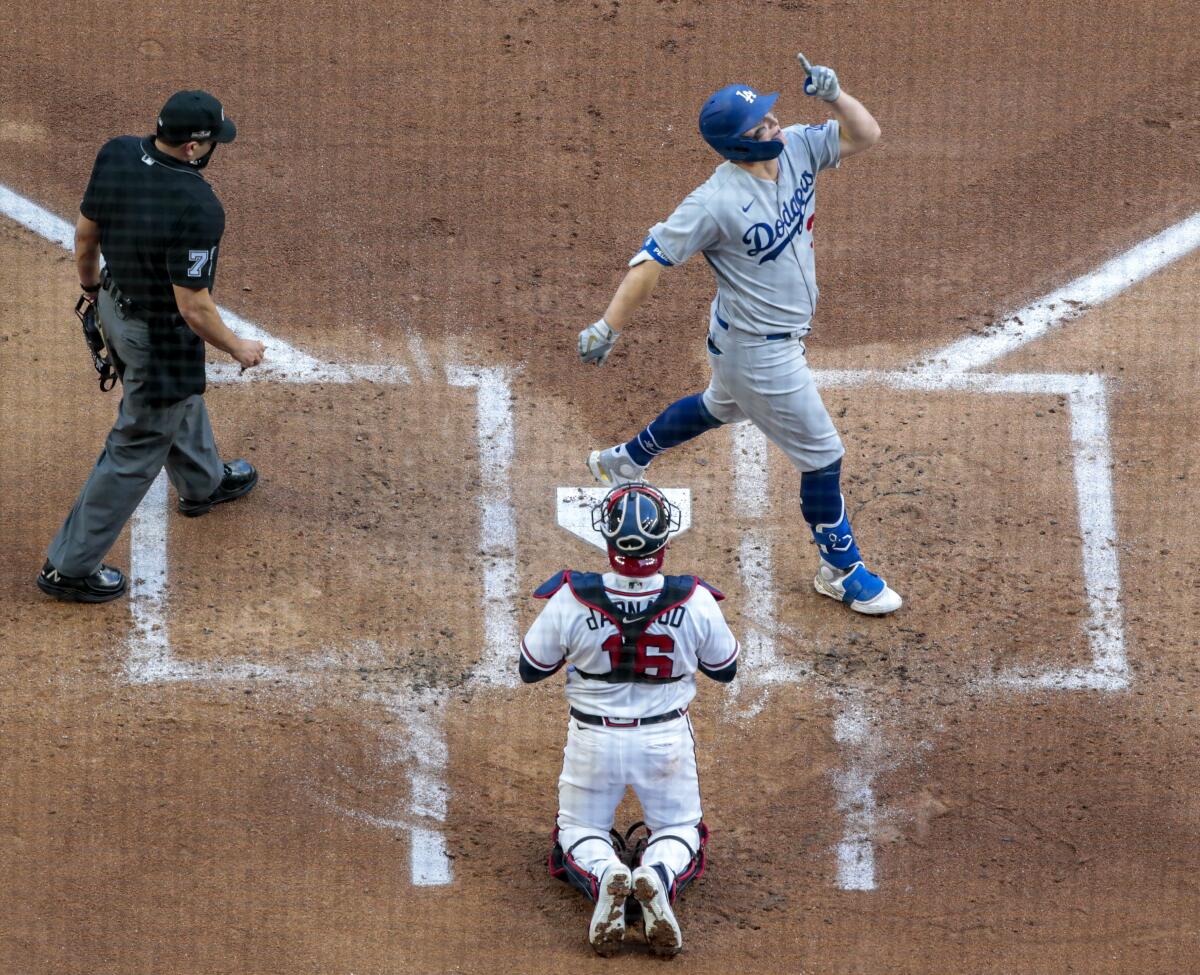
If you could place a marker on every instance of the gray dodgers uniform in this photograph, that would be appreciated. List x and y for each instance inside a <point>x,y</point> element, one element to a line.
<point>756,234</point>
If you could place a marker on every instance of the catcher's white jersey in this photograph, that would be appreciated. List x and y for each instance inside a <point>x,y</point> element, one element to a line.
<point>756,234</point>
<point>674,644</point>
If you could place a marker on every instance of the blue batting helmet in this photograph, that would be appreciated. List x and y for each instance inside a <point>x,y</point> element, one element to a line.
<point>729,113</point>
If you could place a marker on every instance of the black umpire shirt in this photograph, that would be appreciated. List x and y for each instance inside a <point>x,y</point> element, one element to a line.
<point>160,224</point>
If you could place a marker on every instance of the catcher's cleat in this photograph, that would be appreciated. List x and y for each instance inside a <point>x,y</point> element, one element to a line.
<point>106,583</point>
<point>857,587</point>
<point>607,930</point>
<point>652,890</point>
<point>614,466</point>
<point>239,478</point>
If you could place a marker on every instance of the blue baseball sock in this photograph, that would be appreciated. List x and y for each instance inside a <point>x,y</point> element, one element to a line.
<point>825,511</point>
<point>679,422</point>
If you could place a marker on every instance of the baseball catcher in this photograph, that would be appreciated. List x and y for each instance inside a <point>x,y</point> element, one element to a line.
<point>753,222</point>
<point>632,640</point>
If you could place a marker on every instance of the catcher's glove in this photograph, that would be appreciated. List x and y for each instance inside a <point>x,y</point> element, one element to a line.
<point>85,311</point>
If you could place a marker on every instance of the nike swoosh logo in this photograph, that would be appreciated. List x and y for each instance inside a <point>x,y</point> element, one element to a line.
<point>631,619</point>
<point>747,206</point>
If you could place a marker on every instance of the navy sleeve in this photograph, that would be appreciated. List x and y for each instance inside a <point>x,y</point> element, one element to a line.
<point>722,676</point>
<point>192,252</point>
<point>531,675</point>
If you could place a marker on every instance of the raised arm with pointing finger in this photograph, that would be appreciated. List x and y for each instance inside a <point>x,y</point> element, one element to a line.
<point>753,220</point>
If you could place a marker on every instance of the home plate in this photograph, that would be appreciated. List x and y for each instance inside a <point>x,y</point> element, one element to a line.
<point>575,510</point>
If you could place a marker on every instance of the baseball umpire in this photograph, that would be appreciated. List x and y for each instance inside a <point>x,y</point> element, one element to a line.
<point>158,224</point>
<point>632,640</point>
<point>753,221</point>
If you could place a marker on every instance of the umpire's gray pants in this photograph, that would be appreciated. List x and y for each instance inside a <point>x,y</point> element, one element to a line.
<point>143,440</point>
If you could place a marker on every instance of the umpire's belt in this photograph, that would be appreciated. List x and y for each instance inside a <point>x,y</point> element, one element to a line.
<point>597,719</point>
<point>127,307</point>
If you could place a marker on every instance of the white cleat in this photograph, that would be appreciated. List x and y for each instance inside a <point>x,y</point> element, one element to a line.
<point>608,919</point>
<point>857,587</point>
<point>614,466</point>
<point>662,930</point>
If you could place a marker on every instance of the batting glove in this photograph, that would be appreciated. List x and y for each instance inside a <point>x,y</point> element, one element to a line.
<point>821,81</point>
<point>596,342</point>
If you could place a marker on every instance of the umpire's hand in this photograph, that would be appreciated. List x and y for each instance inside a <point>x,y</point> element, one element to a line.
<point>247,352</point>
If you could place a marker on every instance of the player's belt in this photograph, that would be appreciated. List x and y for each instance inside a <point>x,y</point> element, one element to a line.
<point>770,338</point>
<point>598,719</point>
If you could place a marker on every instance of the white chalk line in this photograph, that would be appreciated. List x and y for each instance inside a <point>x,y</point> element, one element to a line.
<point>38,219</point>
<point>954,369</point>
<point>498,524</point>
<point>942,370</point>
<point>854,729</point>
<point>150,658</point>
<point>283,362</point>
<point>417,742</point>
<point>1068,302</point>
<point>420,358</point>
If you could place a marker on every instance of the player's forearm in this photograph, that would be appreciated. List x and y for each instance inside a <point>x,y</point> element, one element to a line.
<point>634,289</point>
<point>87,251</point>
<point>858,125</point>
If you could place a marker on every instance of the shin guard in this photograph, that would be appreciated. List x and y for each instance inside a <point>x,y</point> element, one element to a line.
<point>678,423</point>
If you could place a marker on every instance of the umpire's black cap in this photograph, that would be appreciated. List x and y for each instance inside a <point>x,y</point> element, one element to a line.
<point>197,115</point>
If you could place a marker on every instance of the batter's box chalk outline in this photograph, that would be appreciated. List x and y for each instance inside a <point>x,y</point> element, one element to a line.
<point>151,660</point>
<point>954,368</point>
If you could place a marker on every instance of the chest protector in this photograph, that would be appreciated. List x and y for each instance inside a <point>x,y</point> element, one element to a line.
<point>588,588</point>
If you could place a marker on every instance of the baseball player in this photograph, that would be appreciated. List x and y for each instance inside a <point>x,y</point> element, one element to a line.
<point>753,221</point>
<point>632,640</point>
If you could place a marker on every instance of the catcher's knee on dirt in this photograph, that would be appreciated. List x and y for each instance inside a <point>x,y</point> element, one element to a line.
<point>682,850</point>
<point>582,862</point>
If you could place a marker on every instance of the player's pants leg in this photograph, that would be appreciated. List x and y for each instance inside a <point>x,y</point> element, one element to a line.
<point>589,791</point>
<point>661,764</point>
<point>678,423</point>
<point>770,383</point>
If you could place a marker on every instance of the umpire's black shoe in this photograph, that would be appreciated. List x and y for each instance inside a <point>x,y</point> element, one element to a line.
<point>106,583</point>
<point>240,478</point>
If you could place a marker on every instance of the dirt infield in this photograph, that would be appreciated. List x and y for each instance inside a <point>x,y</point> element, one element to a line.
<point>299,747</point>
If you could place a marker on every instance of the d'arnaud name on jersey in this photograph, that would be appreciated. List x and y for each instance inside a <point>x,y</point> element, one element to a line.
<point>773,238</point>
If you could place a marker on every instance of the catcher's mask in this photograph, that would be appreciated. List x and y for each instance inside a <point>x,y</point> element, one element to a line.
<point>733,111</point>
<point>636,521</point>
